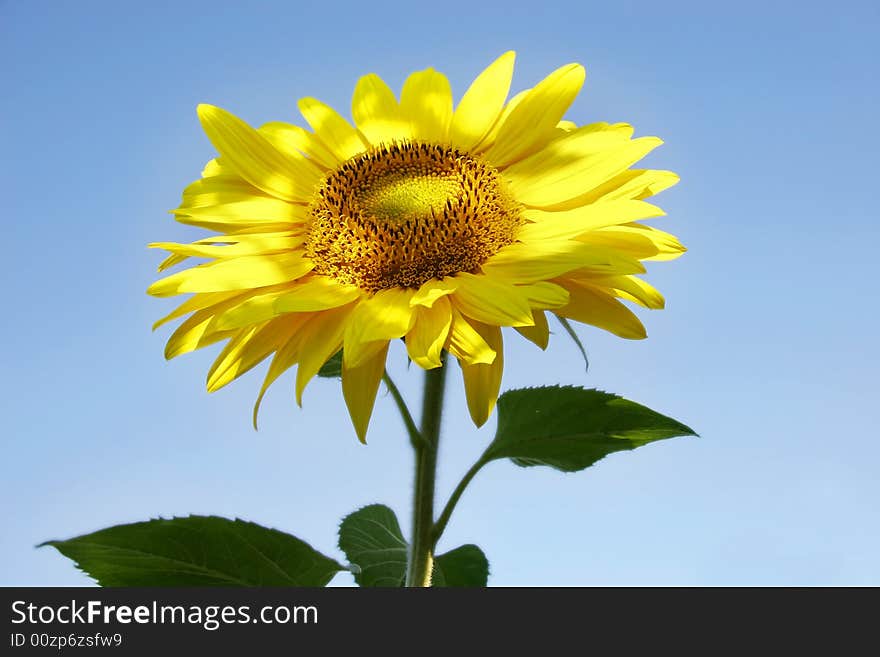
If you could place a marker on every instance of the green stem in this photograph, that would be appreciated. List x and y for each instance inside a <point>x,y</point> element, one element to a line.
<point>415,437</point>
<point>421,558</point>
<point>442,521</point>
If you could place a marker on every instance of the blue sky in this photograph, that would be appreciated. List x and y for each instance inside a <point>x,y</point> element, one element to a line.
<point>767,345</point>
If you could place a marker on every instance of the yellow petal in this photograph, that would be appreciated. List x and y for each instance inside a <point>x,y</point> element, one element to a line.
<point>266,214</point>
<point>322,337</point>
<point>228,246</point>
<point>429,292</point>
<point>227,356</point>
<point>538,261</point>
<point>311,295</point>
<point>598,308</point>
<point>571,223</point>
<point>230,204</point>
<point>426,338</point>
<point>482,103</point>
<point>237,274</point>
<point>614,133</point>
<point>317,293</point>
<point>632,288</point>
<point>636,241</point>
<point>482,382</point>
<point>572,166</point>
<point>196,331</point>
<point>630,184</point>
<point>359,387</point>
<point>170,261</point>
<point>426,103</point>
<point>544,295</point>
<point>235,225</point>
<point>247,349</point>
<point>334,131</point>
<point>466,344</point>
<point>377,113</point>
<point>219,190</point>
<point>489,140</point>
<point>622,131</point>
<point>254,309</point>
<point>538,334</point>
<point>284,359</point>
<point>191,336</point>
<point>216,167</point>
<point>255,159</point>
<point>232,247</point>
<point>533,121</point>
<point>491,301</point>
<point>292,138</point>
<point>384,316</point>
<point>194,303</point>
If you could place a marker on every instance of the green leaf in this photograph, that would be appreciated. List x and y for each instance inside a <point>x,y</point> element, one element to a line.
<point>463,566</point>
<point>569,428</point>
<point>372,541</point>
<point>197,551</point>
<point>333,367</point>
<point>574,336</point>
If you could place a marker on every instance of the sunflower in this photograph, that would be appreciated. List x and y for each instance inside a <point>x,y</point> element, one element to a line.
<point>434,223</point>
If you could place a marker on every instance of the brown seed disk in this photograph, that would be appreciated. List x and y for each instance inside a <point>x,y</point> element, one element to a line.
<point>403,214</point>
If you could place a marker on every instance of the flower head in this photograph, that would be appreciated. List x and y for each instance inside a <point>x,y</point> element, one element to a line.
<point>421,221</point>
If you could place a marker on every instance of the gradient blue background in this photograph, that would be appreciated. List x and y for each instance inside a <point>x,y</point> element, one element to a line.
<point>768,345</point>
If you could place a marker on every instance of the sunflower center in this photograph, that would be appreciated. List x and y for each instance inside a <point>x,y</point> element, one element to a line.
<point>401,215</point>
